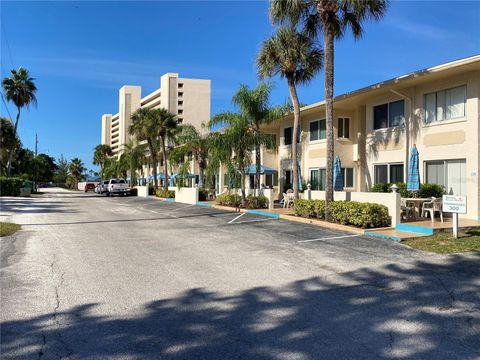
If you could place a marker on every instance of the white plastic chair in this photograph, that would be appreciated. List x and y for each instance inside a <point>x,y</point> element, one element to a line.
<point>431,207</point>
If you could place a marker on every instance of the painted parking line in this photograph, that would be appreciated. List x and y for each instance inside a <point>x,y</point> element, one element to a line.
<point>328,238</point>
<point>238,217</point>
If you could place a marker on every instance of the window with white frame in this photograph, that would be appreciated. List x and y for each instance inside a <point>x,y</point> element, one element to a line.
<point>318,130</point>
<point>317,179</point>
<point>389,115</point>
<point>451,174</point>
<point>445,104</point>
<point>344,127</point>
<point>388,173</point>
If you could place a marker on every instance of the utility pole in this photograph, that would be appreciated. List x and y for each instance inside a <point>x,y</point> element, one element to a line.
<point>35,164</point>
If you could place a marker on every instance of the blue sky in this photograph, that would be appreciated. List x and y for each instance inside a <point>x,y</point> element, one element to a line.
<point>81,53</point>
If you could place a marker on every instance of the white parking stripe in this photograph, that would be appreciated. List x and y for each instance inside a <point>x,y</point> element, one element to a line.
<point>328,238</point>
<point>238,217</point>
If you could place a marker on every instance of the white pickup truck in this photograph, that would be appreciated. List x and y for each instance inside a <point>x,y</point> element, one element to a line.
<point>117,186</point>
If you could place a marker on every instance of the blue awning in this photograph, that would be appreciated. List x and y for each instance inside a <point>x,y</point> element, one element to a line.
<point>263,169</point>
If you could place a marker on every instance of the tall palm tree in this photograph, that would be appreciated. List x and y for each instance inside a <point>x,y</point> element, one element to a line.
<point>165,127</point>
<point>101,153</point>
<point>199,144</point>
<point>297,58</point>
<point>332,18</point>
<point>76,169</point>
<point>133,159</point>
<point>254,104</point>
<point>21,90</point>
<point>143,126</point>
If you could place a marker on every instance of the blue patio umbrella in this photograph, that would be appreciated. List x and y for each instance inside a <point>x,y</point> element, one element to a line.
<point>170,181</point>
<point>263,169</point>
<point>160,176</point>
<point>413,180</point>
<point>337,175</point>
<point>149,178</point>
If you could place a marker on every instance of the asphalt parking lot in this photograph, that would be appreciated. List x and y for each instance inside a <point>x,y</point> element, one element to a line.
<point>132,278</point>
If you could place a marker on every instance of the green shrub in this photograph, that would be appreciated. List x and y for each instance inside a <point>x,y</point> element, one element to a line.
<point>256,202</point>
<point>161,193</point>
<point>202,195</point>
<point>380,187</point>
<point>10,186</point>
<point>229,200</point>
<point>429,190</point>
<point>364,215</point>
<point>134,191</point>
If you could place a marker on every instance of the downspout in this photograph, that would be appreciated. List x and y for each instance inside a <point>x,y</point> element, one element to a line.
<point>407,131</point>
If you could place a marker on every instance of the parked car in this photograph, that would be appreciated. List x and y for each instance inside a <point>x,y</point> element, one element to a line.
<point>89,187</point>
<point>117,186</point>
<point>101,187</point>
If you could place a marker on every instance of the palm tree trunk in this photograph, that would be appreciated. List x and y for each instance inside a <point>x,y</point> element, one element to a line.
<point>201,177</point>
<point>12,150</point>
<point>165,167</point>
<point>257,170</point>
<point>242,187</point>
<point>328,43</point>
<point>153,155</point>
<point>296,122</point>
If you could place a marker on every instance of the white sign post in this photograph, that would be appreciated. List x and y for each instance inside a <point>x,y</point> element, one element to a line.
<point>457,205</point>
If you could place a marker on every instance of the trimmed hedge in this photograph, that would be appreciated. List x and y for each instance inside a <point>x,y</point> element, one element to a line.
<point>364,215</point>
<point>10,186</point>
<point>235,200</point>
<point>165,194</point>
<point>426,190</point>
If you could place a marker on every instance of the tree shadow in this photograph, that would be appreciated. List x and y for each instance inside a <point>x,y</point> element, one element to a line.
<point>427,311</point>
<point>27,206</point>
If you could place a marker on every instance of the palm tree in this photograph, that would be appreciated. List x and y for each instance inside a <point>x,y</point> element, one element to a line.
<point>143,127</point>
<point>199,144</point>
<point>21,90</point>
<point>332,18</point>
<point>165,126</point>
<point>76,169</point>
<point>254,105</point>
<point>296,57</point>
<point>133,159</point>
<point>101,153</point>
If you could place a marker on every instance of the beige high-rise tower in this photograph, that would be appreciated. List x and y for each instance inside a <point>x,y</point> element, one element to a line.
<point>189,99</point>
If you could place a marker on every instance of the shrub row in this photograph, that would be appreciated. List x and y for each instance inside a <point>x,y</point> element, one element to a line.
<point>426,190</point>
<point>364,215</point>
<point>252,202</point>
<point>165,194</point>
<point>10,186</point>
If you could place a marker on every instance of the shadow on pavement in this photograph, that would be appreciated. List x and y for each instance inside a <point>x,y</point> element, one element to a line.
<point>428,311</point>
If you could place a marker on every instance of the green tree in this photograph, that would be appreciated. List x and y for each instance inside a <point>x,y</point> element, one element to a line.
<point>295,57</point>
<point>199,145</point>
<point>8,142</point>
<point>76,169</point>
<point>166,129</point>
<point>331,18</point>
<point>254,104</point>
<point>61,172</point>
<point>132,159</point>
<point>100,155</point>
<point>20,89</point>
<point>45,168</point>
<point>144,127</point>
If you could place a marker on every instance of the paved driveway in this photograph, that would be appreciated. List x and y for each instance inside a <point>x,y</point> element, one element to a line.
<point>131,278</point>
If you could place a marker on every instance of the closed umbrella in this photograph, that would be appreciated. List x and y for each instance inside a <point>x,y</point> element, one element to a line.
<point>413,181</point>
<point>337,175</point>
<point>300,187</point>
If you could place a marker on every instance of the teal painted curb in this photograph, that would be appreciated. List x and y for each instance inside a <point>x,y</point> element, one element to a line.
<point>414,228</point>
<point>264,213</point>
<point>394,238</point>
<point>170,200</point>
<point>203,204</point>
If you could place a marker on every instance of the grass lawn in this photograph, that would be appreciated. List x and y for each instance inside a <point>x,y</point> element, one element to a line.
<point>444,243</point>
<point>8,228</point>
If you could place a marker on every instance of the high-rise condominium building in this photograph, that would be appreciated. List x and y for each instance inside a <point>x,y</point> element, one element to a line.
<point>189,99</point>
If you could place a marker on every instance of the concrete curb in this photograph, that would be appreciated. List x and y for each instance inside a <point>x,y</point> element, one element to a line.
<point>323,224</point>
<point>388,237</point>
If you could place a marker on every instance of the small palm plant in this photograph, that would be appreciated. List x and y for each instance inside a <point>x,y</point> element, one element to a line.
<point>76,170</point>
<point>295,57</point>
<point>21,90</point>
<point>100,155</point>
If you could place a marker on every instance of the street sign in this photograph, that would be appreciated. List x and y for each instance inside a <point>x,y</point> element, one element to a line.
<point>454,204</point>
